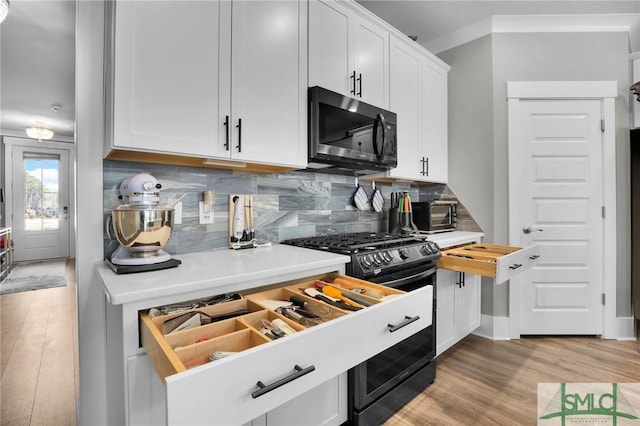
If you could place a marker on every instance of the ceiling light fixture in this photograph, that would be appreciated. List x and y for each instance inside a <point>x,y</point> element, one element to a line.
<point>39,131</point>
<point>4,9</point>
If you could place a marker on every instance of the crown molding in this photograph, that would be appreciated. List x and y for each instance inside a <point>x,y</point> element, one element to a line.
<point>534,24</point>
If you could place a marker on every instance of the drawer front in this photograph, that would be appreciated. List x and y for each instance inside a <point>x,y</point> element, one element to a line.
<point>514,263</point>
<point>490,260</point>
<point>220,392</point>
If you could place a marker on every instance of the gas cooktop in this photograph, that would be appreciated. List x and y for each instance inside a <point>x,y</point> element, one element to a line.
<point>373,253</point>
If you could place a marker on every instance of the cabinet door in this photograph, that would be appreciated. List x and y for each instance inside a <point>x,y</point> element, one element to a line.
<point>166,76</point>
<point>371,54</point>
<point>446,331</point>
<point>467,304</point>
<point>330,55</point>
<point>434,122</point>
<point>404,100</point>
<point>268,88</point>
<point>323,405</point>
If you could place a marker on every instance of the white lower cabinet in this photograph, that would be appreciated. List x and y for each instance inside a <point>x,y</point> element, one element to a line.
<point>324,405</point>
<point>458,307</point>
<point>297,379</point>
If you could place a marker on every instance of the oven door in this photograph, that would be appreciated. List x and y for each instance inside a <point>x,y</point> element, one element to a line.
<point>375,377</point>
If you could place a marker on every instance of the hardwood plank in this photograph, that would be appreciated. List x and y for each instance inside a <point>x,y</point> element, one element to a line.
<point>485,382</point>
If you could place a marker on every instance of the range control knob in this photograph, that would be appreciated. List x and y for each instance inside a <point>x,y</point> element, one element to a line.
<point>366,261</point>
<point>386,256</point>
<point>377,258</point>
<point>425,250</point>
<point>403,254</point>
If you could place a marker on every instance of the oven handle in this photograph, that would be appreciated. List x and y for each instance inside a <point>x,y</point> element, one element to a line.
<point>400,282</point>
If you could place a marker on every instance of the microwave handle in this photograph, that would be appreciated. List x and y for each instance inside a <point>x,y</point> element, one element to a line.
<point>379,119</point>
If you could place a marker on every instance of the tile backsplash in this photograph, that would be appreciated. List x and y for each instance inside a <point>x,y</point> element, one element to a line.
<point>286,205</point>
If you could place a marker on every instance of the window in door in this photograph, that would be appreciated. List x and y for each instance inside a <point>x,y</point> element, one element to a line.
<point>41,196</point>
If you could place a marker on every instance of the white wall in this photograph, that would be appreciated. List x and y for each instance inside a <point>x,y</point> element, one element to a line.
<point>531,57</point>
<point>89,132</point>
<point>470,153</point>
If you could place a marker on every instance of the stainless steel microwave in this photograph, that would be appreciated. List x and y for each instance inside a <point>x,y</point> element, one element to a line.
<point>435,216</point>
<point>348,136</point>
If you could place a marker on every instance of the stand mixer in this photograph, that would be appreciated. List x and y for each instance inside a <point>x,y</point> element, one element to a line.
<point>142,227</point>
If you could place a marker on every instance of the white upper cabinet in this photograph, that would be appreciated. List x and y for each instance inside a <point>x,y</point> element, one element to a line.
<point>418,95</point>
<point>165,82</point>
<point>404,100</point>
<point>269,82</point>
<point>211,79</point>
<point>347,53</point>
<point>433,117</point>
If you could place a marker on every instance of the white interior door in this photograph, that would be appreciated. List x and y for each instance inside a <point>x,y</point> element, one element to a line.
<point>556,179</point>
<point>40,203</point>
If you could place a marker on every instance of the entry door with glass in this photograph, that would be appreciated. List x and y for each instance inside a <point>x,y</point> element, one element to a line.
<point>40,203</point>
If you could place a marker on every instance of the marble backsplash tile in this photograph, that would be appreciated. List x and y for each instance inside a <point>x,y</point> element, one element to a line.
<point>286,205</point>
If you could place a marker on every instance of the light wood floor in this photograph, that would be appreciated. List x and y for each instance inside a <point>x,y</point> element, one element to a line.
<point>485,382</point>
<point>39,355</point>
<point>478,381</point>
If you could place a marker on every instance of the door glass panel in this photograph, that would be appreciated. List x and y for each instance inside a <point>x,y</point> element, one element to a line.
<point>41,197</point>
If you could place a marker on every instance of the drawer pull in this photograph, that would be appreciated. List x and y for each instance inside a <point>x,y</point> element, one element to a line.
<point>268,388</point>
<point>515,266</point>
<point>407,320</point>
<point>534,257</point>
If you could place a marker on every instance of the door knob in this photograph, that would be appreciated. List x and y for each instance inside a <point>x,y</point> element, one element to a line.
<point>528,229</point>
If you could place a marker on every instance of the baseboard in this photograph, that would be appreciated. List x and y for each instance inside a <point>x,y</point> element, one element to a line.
<point>625,328</point>
<point>494,328</point>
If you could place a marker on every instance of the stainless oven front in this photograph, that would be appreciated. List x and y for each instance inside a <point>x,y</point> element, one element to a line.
<point>383,384</point>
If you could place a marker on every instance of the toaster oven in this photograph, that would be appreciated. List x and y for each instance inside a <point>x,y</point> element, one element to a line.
<point>435,216</point>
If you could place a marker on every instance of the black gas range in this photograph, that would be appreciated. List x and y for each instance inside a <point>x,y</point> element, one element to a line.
<point>375,254</point>
<point>382,385</point>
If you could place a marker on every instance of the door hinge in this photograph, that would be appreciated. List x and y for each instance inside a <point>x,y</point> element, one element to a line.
<point>602,125</point>
<point>603,299</point>
<point>603,212</point>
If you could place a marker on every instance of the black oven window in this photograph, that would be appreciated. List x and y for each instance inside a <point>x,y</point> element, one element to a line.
<point>397,359</point>
<point>441,215</point>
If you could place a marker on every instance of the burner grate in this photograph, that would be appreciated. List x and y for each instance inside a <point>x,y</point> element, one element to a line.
<point>354,242</point>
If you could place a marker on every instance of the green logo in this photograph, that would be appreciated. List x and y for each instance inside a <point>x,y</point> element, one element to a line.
<point>583,406</point>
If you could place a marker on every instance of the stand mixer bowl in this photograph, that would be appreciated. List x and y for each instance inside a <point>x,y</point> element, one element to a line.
<point>142,229</point>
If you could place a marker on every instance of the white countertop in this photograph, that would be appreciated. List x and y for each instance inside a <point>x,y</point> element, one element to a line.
<point>454,238</point>
<point>220,271</point>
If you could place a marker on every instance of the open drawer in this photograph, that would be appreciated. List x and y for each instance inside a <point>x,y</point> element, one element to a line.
<point>490,260</point>
<point>260,373</point>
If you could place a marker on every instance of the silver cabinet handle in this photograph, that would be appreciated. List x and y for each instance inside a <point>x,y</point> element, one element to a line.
<point>407,320</point>
<point>299,372</point>
<point>528,229</point>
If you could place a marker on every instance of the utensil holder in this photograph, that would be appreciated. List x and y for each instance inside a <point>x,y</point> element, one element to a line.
<point>401,223</point>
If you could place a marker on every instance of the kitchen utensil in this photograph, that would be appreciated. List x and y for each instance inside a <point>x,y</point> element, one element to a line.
<point>286,328</point>
<point>360,197</point>
<point>318,309</point>
<point>238,218</point>
<point>273,329</point>
<point>290,312</point>
<point>337,294</point>
<point>353,297</point>
<point>312,292</point>
<point>220,354</point>
<point>377,200</point>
